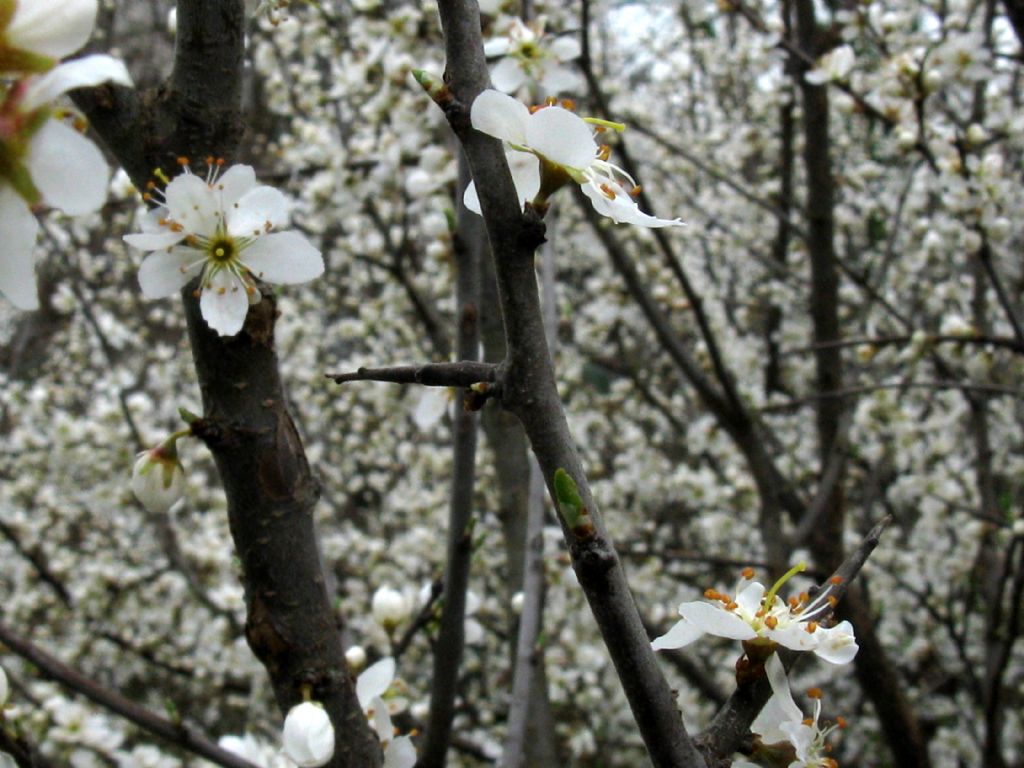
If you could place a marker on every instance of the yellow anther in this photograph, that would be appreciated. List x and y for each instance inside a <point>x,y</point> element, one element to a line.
<point>747,573</point>
<point>814,693</point>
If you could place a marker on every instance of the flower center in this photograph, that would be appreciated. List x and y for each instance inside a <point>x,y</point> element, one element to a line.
<point>222,250</point>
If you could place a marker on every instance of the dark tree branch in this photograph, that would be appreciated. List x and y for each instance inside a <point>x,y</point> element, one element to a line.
<point>464,373</point>
<point>270,489</point>
<point>180,734</point>
<point>529,391</point>
<point>451,635</point>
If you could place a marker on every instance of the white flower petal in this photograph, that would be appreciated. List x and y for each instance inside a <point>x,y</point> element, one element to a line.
<point>374,681</point>
<point>622,209</point>
<point>680,636</point>
<point>559,79</point>
<point>224,303</point>
<point>800,736</point>
<point>499,115</point>
<point>780,707</point>
<point>154,241</point>
<point>838,644</point>
<point>507,75</point>
<point>565,48</point>
<point>562,137</point>
<point>381,719</point>
<point>53,28</point>
<point>79,73</point>
<point>525,169</point>
<point>749,598</point>
<point>496,46</point>
<point>470,199</point>
<point>164,273</point>
<point>285,258</point>
<point>17,263</point>
<point>400,753</point>
<point>234,183</point>
<point>68,169</point>
<point>257,212</point>
<point>192,204</point>
<point>431,407</point>
<point>717,621</point>
<point>795,637</point>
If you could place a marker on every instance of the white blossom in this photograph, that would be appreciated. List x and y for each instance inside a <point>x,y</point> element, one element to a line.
<point>563,145</point>
<point>221,229</point>
<point>754,616</point>
<point>43,160</point>
<point>390,607</point>
<point>308,737</point>
<point>527,56</point>
<point>832,67</point>
<point>158,478</point>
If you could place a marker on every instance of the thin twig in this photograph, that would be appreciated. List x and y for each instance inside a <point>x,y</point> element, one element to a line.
<point>464,373</point>
<point>181,734</point>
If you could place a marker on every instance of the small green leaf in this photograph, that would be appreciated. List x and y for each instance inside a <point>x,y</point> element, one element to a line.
<point>570,505</point>
<point>187,416</point>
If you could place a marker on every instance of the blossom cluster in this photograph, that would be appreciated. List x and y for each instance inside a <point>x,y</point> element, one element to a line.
<point>763,620</point>
<point>44,161</point>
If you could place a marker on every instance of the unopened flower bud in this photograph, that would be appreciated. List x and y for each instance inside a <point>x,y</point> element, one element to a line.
<point>906,138</point>
<point>999,228</point>
<point>517,602</point>
<point>390,608</point>
<point>158,479</point>
<point>976,134</point>
<point>308,735</point>
<point>356,658</point>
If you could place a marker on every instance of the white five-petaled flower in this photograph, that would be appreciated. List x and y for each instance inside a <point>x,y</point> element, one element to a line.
<point>528,57</point>
<point>371,686</point>
<point>221,228</point>
<point>754,616</point>
<point>42,160</point>
<point>559,147</point>
<point>784,733</point>
<point>308,737</point>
